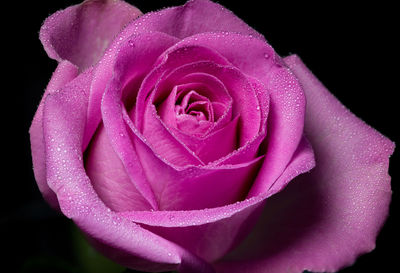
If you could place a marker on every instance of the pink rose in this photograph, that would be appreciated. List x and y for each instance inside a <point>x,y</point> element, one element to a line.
<point>166,136</point>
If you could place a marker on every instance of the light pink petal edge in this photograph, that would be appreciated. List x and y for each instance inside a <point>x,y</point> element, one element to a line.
<point>64,73</point>
<point>81,33</point>
<point>188,19</point>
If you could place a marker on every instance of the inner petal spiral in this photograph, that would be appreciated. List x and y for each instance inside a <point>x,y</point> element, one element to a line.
<point>192,103</point>
<point>188,110</point>
<point>194,113</point>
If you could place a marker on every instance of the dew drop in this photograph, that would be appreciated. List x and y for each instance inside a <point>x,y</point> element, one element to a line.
<point>131,43</point>
<point>266,55</point>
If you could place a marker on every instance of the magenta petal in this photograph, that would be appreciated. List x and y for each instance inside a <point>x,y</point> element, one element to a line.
<point>188,20</point>
<point>245,101</point>
<point>240,88</point>
<point>251,55</point>
<point>81,33</point>
<point>171,60</point>
<point>251,147</point>
<point>135,56</point>
<point>195,123</point>
<point>64,73</point>
<point>206,85</point>
<point>208,233</point>
<point>64,118</point>
<point>166,109</point>
<point>215,145</point>
<point>225,137</point>
<point>118,134</point>
<point>224,226</point>
<point>327,218</point>
<point>285,126</point>
<point>228,182</point>
<point>164,143</point>
<point>109,178</point>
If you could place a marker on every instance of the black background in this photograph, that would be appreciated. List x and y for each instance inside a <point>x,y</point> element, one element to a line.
<point>350,48</point>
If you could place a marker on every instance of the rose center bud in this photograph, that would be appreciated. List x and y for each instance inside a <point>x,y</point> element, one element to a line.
<point>193,112</point>
<point>189,111</point>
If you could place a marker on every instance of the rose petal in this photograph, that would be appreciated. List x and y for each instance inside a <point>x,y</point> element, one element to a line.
<point>134,49</point>
<point>64,119</point>
<point>109,177</point>
<point>250,149</point>
<point>132,55</point>
<point>225,226</point>
<point>177,57</point>
<point>81,33</point>
<point>195,123</point>
<point>285,126</point>
<point>198,145</point>
<point>229,183</point>
<point>188,20</point>
<point>165,144</point>
<point>251,55</point>
<point>215,145</point>
<point>327,218</point>
<point>245,102</point>
<point>226,137</point>
<point>120,140</point>
<point>169,61</point>
<point>208,233</point>
<point>206,84</point>
<point>64,73</point>
<point>168,110</point>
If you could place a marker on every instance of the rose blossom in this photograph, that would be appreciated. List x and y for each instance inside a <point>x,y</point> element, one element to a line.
<point>166,137</point>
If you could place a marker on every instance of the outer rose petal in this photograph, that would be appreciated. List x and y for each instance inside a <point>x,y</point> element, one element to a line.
<point>251,55</point>
<point>109,178</point>
<point>64,73</point>
<point>285,127</point>
<point>330,216</point>
<point>211,232</point>
<point>64,119</point>
<point>146,55</point>
<point>188,19</point>
<point>140,53</point>
<point>81,33</point>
